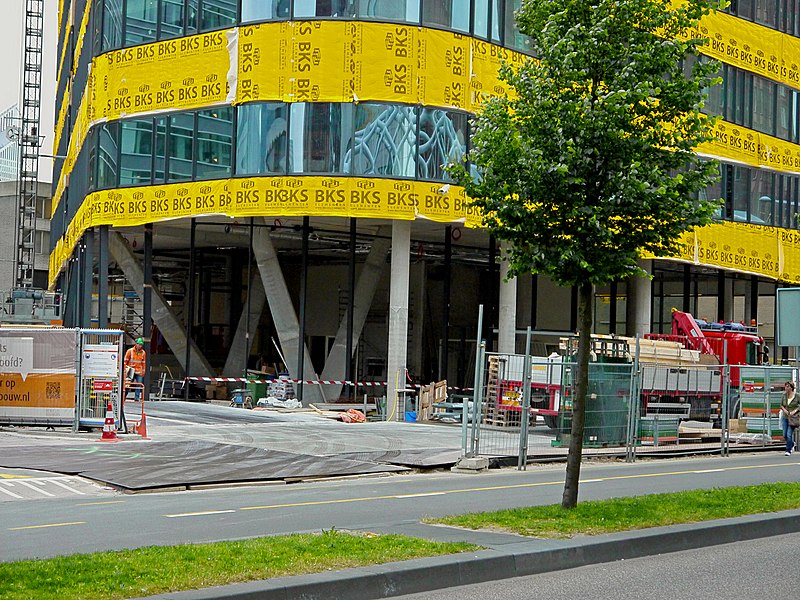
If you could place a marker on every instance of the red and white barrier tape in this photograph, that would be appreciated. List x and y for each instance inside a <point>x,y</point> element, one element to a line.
<point>307,382</point>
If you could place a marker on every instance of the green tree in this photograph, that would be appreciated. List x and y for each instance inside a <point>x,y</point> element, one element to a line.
<point>587,165</point>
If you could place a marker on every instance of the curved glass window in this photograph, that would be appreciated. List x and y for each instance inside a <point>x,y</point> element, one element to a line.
<point>324,8</point>
<point>214,143</point>
<point>320,137</point>
<point>136,152</point>
<point>180,147</point>
<point>264,10</point>
<point>218,14</point>
<point>452,14</point>
<point>171,18</point>
<point>442,140</point>
<point>107,151</point>
<point>141,21</point>
<point>390,10</point>
<point>384,142</point>
<point>112,24</point>
<point>261,138</point>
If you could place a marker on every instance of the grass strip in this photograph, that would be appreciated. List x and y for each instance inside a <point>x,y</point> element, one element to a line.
<point>159,569</point>
<point>638,512</point>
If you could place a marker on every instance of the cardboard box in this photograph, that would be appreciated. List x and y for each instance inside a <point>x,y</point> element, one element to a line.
<point>737,426</point>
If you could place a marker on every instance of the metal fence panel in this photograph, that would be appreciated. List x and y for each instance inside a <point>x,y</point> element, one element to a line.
<point>99,377</point>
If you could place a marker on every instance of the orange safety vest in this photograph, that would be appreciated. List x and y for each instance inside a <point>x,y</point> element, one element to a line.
<point>136,359</point>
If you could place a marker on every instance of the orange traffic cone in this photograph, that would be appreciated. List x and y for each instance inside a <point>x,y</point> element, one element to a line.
<point>141,429</point>
<point>109,426</point>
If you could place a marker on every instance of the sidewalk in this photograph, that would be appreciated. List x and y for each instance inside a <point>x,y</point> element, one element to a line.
<point>506,556</point>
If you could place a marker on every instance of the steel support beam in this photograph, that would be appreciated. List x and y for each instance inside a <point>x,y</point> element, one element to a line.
<point>168,324</point>
<point>283,314</point>
<point>370,276</point>
<point>248,324</point>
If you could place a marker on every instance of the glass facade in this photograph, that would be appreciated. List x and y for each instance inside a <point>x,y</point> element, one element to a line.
<point>783,15</point>
<point>131,22</point>
<point>273,138</point>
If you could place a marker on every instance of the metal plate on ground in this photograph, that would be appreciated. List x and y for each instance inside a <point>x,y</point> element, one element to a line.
<point>421,458</point>
<point>135,466</point>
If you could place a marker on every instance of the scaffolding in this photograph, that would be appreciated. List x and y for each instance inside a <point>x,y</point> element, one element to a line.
<point>30,141</point>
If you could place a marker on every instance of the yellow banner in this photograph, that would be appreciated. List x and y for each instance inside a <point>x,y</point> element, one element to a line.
<point>266,196</point>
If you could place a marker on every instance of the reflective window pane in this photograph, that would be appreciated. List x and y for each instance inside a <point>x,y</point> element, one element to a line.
<point>112,24</point>
<point>181,150</point>
<point>160,150</point>
<point>218,14</point>
<point>141,21</point>
<point>442,140</point>
<point>385,141</point>
<point>320,137</point>
<point>192,13</point>
<point>261,139</point>
<point>264,10</point>
<point>136,152</point>
<point>390,10</point>
<point>480,23</point>
<point>452,14</point>
<point>762,195</point>
<point>741,193</point>
<point>108,145</point>
<point>171,19</point>
<point>514,39</point>
<point>214,143</point>
<point>763,105</point>
<point>496,20</point>
<point>324,8</point>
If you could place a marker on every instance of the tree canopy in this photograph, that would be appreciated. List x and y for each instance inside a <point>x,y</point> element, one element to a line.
<point>588,163</point>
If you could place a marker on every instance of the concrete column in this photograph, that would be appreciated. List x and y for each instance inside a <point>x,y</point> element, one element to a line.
<point>507,312</point>
<point>398,318</point>
<point>727,297</point>
<point>638,313</point>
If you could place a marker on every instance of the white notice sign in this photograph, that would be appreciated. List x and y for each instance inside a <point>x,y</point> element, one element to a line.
<point>100,360</point>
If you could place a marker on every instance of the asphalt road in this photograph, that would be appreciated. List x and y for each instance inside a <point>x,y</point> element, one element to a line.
<point>55,526</point>
<point>745,570</point>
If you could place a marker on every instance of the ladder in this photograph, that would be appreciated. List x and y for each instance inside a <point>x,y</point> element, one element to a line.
<point>29,142</point>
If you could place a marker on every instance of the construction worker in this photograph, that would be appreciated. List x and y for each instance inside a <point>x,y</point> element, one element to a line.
<point>136,359</point>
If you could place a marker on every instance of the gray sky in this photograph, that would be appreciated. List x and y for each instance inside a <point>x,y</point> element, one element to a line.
<point>11,25</point>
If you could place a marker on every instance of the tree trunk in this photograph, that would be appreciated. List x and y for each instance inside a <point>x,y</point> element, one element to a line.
<point>570,497</point>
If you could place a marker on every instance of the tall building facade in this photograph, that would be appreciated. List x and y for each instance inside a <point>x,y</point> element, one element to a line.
<point>267,177</point>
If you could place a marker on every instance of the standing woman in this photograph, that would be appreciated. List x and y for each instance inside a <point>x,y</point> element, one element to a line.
<point>790,415</point>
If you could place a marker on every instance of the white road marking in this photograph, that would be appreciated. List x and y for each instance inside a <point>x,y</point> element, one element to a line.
<point>5,491</point>
<point>66,487</point>
<point>199,514</point>
<point>33,487</point>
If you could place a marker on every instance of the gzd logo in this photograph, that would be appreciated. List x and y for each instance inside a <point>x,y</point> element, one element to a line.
<point>205,189</point>
<point>122,91</point>
<point>144,88</point>
<point>402,187</point>
<point>212,78</point>
<point>165,85</point>
<point>188,81</point>
<point>160,193</point>
<point>330,183</point>
<point>365,185</point>
<point>276,183</point>
<point>293,183</point>
<point>248,185</point>
<point>389,41</point>
<point>181,192</point>
<point>138,195</point>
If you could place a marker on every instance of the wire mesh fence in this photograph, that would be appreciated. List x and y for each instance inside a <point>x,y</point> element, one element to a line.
<point>523,406</point>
